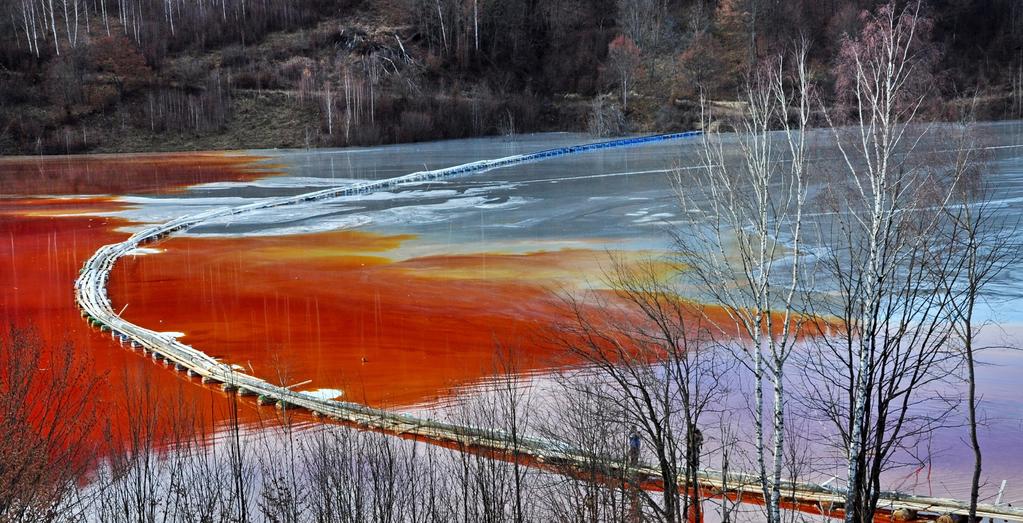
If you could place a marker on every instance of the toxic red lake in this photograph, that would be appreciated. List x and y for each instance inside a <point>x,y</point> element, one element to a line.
<point>400,299</point>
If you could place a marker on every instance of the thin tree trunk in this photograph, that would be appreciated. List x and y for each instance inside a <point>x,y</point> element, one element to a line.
<point>35,33</point>
<point>443,32</point>
<point>330,111</point>
<point>67,23</point>
<point>971,401</point>
<point>53,27</point>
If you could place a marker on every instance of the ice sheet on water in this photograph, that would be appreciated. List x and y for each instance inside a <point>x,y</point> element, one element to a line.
<point>318,218</point>
<point>281,182</point>
<point>567,178</point>
<point>143,251</point>
<point>490,189</point>
<point>404,195</point>
<point>324,394</point>
<point>384,207</point>
<point>147,210</point>
<point>660,217</point>
<point>313,225</point>
<point>422,203</point>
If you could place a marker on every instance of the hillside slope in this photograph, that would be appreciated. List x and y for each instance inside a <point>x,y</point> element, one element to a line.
<point>143,75</point>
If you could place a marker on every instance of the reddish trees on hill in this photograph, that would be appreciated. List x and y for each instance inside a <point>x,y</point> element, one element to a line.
<point>121,62</point>
<point>884,33</point>
<point>624,60</point>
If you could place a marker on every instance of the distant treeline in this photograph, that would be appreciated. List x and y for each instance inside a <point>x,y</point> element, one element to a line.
<point>76,74</point>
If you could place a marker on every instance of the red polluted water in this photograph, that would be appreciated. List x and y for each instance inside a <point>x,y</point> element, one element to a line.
<point>122,173</point>
<point>351,315</point>
<point>336,310</point>
<point>339,311</point>
<point>45,239</point>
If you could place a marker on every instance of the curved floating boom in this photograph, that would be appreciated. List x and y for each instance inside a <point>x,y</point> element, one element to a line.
<point>91,296</point>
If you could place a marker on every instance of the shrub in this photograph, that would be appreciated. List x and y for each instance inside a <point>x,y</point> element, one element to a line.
<point>606,119</point>
<point>121,62</point>
<point>234,56</point>
<point>414,126</point>
<point>101,97</point>
<point>293,68</point>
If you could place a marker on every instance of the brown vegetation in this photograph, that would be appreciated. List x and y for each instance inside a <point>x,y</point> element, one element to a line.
<point>47,426</point>
<point>100,75</point>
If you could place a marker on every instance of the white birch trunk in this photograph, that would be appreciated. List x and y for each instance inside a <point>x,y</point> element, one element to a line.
<point>106,21</point>
<point>67,22</point>
<point>170,15</point>
<point>35,33</point>
<point>443,32</point>
<point>53,27</point>
<point>330,111</point>
<point>751,202</point>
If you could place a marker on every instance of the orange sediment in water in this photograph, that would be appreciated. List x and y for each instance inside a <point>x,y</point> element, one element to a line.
<point>122,173</point>
<point>336,309</point>
<point>40,257</point>
<point>44,241</point>
<point>346,310</point>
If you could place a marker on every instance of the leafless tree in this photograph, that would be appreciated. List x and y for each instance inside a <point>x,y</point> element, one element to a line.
<point>605,119</point>
<point>643,20</point>
<point>649,352</point>
<point>624,61</point>
<point>283,491</point>
<point>873,377</point>
<point>495,489</point>
<point>582,414</point>
<point>985,244</point>
<point>47,426</point>
<point>747,254</point>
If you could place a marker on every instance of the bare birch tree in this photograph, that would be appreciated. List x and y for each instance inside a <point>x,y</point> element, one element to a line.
<point>872,379</point>
<point>624,61</point>
<point>747,255</point>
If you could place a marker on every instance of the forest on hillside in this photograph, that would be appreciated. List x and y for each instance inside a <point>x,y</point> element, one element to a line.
<point>813,314</point>
<point>133,75</point>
